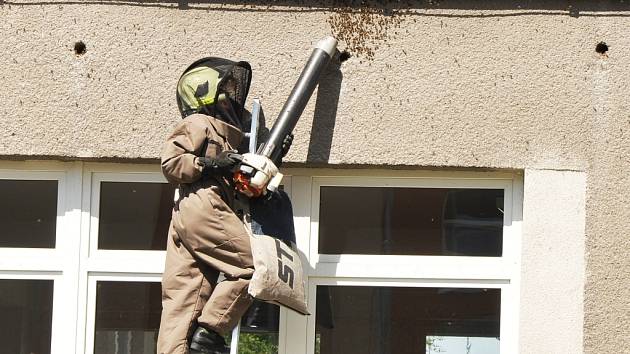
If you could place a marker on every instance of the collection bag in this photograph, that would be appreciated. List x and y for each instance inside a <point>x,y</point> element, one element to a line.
<point>278,277</point>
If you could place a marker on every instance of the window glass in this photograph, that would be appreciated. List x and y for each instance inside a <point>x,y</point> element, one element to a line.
<point>411,221</point>
<point>384,320</point>
<point>461,344</point>
<point>259,329</point>
<point>25,316</point>
<point>28,213</point>
<point>127,317</point>
<point>134,215</point>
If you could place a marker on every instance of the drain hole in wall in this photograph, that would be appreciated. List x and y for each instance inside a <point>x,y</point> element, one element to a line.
<point>345,55</point>
<point>601,48</point>
<point>79,48</point>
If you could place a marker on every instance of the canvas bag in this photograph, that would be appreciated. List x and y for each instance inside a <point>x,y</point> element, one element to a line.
<point>278,277</point>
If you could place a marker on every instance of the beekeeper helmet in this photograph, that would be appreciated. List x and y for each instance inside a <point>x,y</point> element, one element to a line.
<point>217,87</point>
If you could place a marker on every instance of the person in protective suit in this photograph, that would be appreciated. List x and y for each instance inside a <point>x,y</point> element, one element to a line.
<point>207,235</point>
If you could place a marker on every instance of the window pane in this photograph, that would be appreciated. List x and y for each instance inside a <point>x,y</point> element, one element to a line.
<point>259,329</point>
<point>28,213</point>
<point>134,216</point>
<point>127,317</point>
<point>411,221</point>
<point>384,320</point>
<point>25,316</point>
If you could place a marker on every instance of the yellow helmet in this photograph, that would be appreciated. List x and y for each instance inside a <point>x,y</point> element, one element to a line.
<point>216,87</point>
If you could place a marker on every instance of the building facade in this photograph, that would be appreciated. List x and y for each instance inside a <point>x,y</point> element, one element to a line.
<point>460,178</point>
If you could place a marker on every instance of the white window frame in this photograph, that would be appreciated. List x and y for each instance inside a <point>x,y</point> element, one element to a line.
<point>120,265</point>
<point>60,263</point>
<point>411,271</point>
<point>76,265</point>
<point>92,281</point>
<point>406,283</point>
<point>109,265</point>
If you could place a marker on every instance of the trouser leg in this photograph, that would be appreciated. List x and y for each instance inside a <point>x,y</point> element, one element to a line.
<point>186,287</point>
<point>219,240</point>
<point>228,303</point>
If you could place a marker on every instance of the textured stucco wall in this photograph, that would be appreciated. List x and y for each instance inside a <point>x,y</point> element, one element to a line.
<point>552,297</point>
<point>499,84</point>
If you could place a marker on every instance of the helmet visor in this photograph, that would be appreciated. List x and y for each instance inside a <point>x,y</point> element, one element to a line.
<point>216,87</point>
<point>225,109</point>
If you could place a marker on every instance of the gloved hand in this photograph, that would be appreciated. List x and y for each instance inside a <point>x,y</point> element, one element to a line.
<point>261,174</point>
<point>286,145</point>
<point>225,162</point>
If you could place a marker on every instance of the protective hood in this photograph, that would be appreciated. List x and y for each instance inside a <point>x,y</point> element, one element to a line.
<point>216,87</point>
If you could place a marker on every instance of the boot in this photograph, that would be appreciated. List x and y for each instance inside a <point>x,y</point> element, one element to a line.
<point>206,341</point>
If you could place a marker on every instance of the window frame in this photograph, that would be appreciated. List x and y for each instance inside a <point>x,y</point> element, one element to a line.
<point>146,261</point>
<point>419,266</point>
<point>109,265</point>
<point>59,264</point>
<point>408,283</point>
<point>121,265</point>
<point>417,271</point>
<point>75,264</point>
<point>92,281</point>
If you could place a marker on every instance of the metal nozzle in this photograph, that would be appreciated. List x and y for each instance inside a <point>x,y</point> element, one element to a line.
<point>328,44</point>
<point>302,91</point>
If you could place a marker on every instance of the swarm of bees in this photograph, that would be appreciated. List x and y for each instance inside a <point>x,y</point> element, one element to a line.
<point>365,25</point>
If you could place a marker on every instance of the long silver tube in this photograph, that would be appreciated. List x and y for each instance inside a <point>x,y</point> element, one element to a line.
<point>253,131</point>
<point>301,93</point>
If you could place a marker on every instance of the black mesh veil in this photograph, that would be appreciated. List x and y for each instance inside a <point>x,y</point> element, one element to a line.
<point>231,92</point>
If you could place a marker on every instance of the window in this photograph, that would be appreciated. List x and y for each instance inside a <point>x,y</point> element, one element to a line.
<point>127,216</point>
<point>28,213</point>
<point>410,263</point>
<point>397,262</point>
<point>127,317</point>
<point>25,328</point>
<point>126,219</point>
<point>134,215</point>
<point>38,257</point>
<point>380,319</point>
<point>410,221</point>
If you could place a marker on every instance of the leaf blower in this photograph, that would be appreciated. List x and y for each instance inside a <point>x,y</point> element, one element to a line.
<point>258,172</point>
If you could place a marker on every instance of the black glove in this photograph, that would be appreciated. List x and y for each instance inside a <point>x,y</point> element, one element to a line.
<point>286,145</point>
<point>224,162</point>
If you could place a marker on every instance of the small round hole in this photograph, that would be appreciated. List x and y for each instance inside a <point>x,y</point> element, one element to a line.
<point>601,48</point>
<point>79,48</point>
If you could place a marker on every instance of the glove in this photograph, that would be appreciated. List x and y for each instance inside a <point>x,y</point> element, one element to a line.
<point>286,145</point>
<point>261,175</point>
<point>224,162</point>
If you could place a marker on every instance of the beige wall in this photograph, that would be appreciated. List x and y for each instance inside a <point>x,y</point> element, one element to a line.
<point>552,263</point>
<point>437,83</point>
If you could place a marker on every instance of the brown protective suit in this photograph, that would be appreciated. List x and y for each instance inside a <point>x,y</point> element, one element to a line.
<point>206,237</point>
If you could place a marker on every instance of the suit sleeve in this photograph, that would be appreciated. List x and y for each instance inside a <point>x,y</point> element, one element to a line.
<point>180,163</point>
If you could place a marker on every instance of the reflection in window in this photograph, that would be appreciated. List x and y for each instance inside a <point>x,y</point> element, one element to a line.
<point>457,345</point>
<point>411,221</point>
<point>28,213</point>
<point>259,329</point>
<point>391,320</point>
<point>25,316</point>
<point>134,216</point>
<point>127,317</point>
